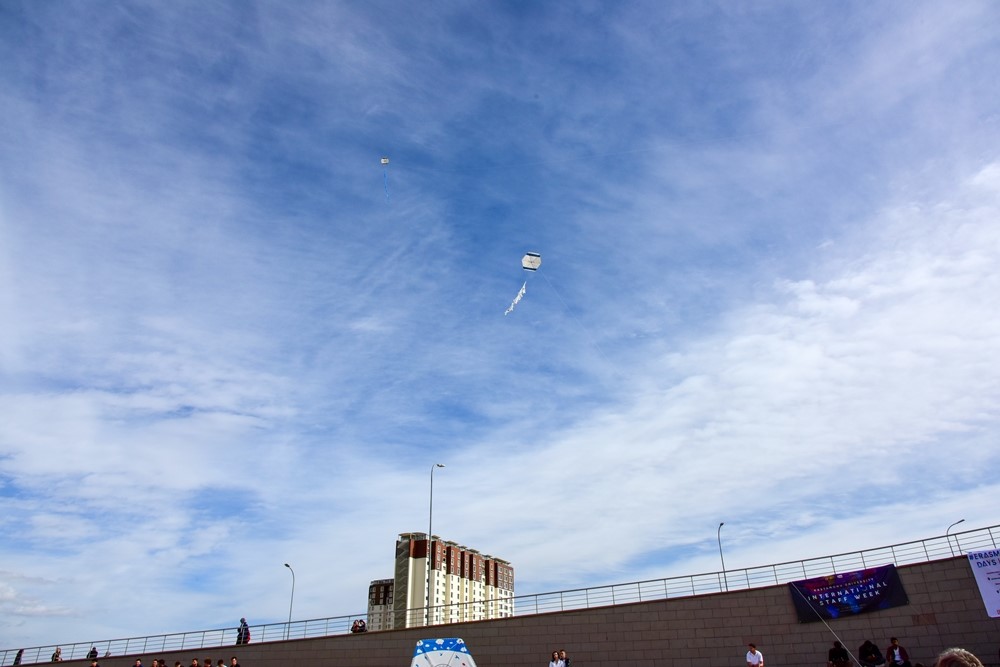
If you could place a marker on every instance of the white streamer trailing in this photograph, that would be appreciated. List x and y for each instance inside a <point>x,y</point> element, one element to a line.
<point>517,299</point>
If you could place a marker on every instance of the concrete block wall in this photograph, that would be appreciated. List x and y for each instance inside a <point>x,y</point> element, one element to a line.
<point>707,631</point>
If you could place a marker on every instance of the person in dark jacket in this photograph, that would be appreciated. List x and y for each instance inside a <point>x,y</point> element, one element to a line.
<point>243,634</point>
<point>869,655</point>
<point>838,656</point>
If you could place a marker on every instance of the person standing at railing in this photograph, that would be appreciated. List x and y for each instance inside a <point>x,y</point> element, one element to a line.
<point>57,656</point>
<point>92,654</point>
<point>243,634</point>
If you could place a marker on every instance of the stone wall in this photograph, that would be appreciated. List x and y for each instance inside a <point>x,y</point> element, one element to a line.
<point>707,631</point>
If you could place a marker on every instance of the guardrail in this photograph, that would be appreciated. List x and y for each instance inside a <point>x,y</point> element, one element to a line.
<point>185,641</point>
<point>907,553</point>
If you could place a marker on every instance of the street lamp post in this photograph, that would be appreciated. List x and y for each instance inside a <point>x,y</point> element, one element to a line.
<point>949,536</point>
<point>291,601</point>
<point>430,525</point>
<point>718,535</point>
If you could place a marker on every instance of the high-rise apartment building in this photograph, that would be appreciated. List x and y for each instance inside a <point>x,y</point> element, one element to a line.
<point>464,585</point>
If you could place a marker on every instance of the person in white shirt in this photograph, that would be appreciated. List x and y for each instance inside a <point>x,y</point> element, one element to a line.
<point>754,657</point>
<point>896,654</point>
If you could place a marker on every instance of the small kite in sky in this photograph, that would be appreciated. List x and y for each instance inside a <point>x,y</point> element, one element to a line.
<point>385,176</point>
<point>530,262</point>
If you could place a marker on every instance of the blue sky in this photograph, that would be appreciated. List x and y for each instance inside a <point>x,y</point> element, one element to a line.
<point>769,294</point>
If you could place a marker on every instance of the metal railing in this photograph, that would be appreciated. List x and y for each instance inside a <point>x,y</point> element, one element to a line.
<point>184,641</point>
<point>907,553</point>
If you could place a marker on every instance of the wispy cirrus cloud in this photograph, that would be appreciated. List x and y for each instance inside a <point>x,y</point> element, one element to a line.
<point>767,295</point>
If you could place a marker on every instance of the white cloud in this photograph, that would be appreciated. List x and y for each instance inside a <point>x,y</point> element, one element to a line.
<point>846,385</point>
<point>767,298</point>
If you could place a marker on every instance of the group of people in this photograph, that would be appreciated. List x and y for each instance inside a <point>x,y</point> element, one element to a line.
<point>869,655</point>
<point>233,662</point>
<point>160,662</point>
<point>896,656</point>
<point>359,626</point>
<point>559,659</point>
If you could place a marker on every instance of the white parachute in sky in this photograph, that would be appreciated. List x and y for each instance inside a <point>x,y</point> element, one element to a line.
<point>530,262</point>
